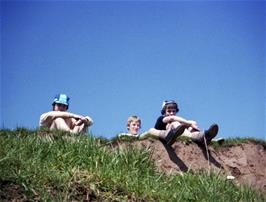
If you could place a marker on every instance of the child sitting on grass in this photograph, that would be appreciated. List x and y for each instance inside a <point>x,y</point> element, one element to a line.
<point>60,119</point>
<point>169,119</point>
<point>168,136</point>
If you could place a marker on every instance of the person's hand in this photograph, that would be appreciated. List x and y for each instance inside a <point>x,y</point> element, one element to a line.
<point>77,117</point>
<point>89,120</point>
<point>169,119</point>
<point>80,120</point>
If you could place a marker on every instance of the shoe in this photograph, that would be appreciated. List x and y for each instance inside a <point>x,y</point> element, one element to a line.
<point>220,140</point>
<point>211,132</point>
<point>173,134</point>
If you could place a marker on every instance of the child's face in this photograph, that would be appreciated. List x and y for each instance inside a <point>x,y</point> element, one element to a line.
<point>170,111</point>
<point>60,107</point>
<point>134,127</point>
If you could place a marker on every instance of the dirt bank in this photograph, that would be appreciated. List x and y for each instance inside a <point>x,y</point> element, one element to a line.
<point>245,161</point>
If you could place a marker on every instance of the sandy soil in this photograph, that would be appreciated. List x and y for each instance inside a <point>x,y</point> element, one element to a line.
<point>246,161</point>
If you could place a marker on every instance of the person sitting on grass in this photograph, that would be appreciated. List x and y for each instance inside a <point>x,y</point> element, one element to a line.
<point>169,119</point>
<point>60,119</point>
<point>134,125</point>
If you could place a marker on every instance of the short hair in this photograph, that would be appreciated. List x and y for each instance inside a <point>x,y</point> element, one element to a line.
<point>133,118</point>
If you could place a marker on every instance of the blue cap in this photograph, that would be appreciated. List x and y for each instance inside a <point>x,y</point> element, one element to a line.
<point>61,99</point>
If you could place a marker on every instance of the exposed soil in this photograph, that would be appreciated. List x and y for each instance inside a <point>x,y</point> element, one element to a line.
<point>246,161</point>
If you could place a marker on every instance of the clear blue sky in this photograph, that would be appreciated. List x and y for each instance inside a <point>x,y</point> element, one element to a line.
<point>115,59</point>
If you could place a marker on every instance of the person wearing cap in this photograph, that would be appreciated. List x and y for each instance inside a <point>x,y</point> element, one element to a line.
<point>60,119</point>
<point>169,119</point>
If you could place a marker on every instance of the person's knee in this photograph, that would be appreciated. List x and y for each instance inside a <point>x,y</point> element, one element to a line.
<point>151,130</point>
<point>174,124</point>
<point>59,120</point>
<point>60,124</point>
<point>83,128</point>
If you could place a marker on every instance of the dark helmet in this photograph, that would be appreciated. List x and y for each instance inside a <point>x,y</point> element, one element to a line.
<point>169,102</point>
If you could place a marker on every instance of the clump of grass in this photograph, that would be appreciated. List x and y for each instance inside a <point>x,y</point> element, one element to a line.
<point>67,167</point>
<point>238,141</point>
<point>228,142</point>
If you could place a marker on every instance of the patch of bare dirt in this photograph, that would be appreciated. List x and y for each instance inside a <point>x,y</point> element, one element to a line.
<point>246,161</point>
<point>11,192</point>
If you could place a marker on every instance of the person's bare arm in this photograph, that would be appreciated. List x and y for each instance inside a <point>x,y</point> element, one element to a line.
<point>86,120</point>
<point>89,121</point>
<point>189,123</point>
<point>50,116</point>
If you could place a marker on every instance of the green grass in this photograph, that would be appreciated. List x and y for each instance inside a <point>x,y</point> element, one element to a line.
<point>238,140</point>
<point>58,166</point>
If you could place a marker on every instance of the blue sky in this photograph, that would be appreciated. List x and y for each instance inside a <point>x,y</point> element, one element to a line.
<point>116,59</point>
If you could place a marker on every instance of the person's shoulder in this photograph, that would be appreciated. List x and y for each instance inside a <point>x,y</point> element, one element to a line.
<point>159,125</point>
<point>45,113</point>
<point>45,118</point>
<point>160,118</point>
<point>49,112</point>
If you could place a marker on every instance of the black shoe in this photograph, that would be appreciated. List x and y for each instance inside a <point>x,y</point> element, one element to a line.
<point>173,134</point>
<point>211,132</point>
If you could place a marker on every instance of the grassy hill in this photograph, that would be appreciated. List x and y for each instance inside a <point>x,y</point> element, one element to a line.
<point>57,166</point>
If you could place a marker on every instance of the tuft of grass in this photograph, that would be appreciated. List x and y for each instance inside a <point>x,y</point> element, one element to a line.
<point>238,141</point>
<point>59,166</point>
<point>228,142</point>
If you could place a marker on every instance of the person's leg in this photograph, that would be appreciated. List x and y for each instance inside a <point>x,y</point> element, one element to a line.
<point>173,125</point>
<point>80,129</point>
<point>194,135</point>
<point>153,133</point>
<point>169,135</point>
<point>78,126</point>
<point>60,124</point>
<point>188,133</point>
<point>198,136</point>
<point>175,130</point>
